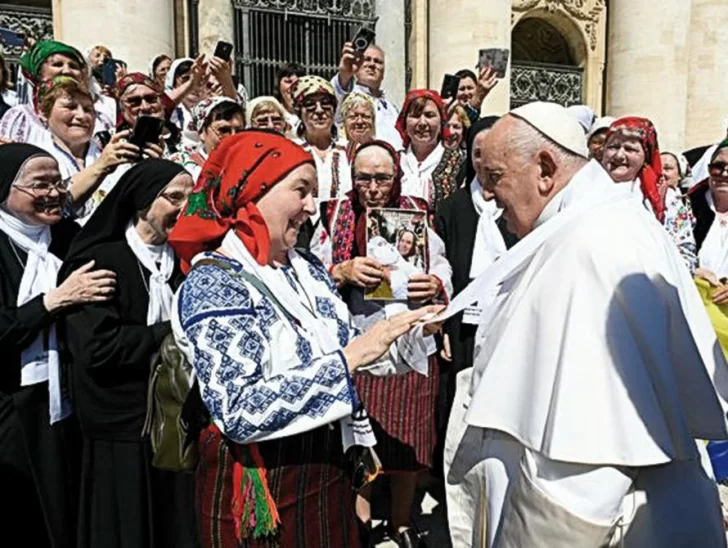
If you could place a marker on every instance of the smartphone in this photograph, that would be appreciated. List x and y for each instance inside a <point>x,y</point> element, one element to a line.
<point>363,39</point>
<point>11,38</point>
<point>108,72</point>
<point>496,58</point>
<point>223,50</point>
<point>146,130</point>
<point>450,85</point>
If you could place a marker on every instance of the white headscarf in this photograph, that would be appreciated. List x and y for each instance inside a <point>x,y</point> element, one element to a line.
<point>40,360</point>
<point>159,260</point>
<point>489,243</point>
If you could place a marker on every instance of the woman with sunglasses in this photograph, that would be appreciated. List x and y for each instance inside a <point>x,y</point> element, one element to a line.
<point>315,102</point>
<point>709,201</point>
<point>214,119</point>
<point>38,447</point>
<point>124,500</point>
<point>631,156</point>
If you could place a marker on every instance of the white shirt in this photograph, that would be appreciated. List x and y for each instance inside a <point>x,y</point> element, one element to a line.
<point>416,175</point>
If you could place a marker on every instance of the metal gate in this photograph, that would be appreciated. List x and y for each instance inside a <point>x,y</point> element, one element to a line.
<point>543,82</point>
<point>269,33</point>
<point>37,22</point>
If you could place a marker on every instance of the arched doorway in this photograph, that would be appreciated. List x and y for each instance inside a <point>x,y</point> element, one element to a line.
<point>546,66</point>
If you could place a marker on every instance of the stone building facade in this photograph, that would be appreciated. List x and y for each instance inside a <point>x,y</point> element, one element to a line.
<point>665,60</point>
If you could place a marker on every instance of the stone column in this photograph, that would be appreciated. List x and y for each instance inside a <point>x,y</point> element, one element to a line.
<point>418,44</point>
<point>706,107</point>
<point>647,72</point>
<point>134,30</point>
<point>458,29</point>
<point>216,22</point>
<point>390,37</point>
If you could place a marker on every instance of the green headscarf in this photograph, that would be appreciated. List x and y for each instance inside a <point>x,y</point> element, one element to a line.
<point>33,59</point>
<point>723,144</point>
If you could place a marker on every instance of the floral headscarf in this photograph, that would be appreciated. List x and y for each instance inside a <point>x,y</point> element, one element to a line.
<point>310,85</point>
<point>46,86</point>
<point>204,108</point>
<point>33,60</point>
<point>237,173</point>
<point>134,79</point>
<point>650,173</point>
<point>412,96</point>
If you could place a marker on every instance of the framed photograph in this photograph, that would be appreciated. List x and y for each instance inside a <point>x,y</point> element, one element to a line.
<point>496,58</point>
<point>396,239</point>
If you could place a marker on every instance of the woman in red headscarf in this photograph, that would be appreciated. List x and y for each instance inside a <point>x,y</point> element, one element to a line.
<point>274,351</point>
<point>429,170</point>
<point>632,158</point>
<point>402,407</point>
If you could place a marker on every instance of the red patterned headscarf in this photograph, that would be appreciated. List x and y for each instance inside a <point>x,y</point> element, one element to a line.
<point>412,96</point>
<point>134,79</point>
<point>650,173</point>
<point>237,173</point>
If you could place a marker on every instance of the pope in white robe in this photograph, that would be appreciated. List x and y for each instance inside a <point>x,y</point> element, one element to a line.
<point>596,367</point>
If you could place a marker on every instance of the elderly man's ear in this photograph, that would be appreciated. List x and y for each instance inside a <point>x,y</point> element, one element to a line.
<point>546,172</point>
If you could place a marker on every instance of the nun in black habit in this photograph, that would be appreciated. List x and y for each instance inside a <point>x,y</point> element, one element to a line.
<point>473,232</point>
<point>125,502</point>
<point>39,444</point>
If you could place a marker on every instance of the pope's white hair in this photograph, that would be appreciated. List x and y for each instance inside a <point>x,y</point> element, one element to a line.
<point>526,141</point>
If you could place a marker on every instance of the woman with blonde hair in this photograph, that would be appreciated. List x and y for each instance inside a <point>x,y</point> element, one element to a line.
<point>358,112</point>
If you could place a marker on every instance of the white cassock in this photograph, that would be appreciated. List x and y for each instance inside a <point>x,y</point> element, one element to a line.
<point>595,369</point>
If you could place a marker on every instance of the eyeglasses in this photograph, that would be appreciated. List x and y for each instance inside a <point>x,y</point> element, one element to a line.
<point>42,187</point>
<point>354,116</point>
<point>717,168</point>
<point>136,102</point>
<point>265,121</point>
<point>327,103</point>
<point>175,198</point>
<point>379,179</point>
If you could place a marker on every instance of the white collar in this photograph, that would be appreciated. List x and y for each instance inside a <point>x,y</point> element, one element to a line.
<point>588,184</point>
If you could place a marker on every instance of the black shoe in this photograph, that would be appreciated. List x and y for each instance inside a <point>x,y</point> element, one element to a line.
<point>409,539</point>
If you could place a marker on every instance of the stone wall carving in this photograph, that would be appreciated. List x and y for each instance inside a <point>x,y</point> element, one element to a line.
<point>587,13</point>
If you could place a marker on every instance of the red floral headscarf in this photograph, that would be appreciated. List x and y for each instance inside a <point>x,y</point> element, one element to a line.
<point>134,79</point>
<point>412,96</point>
<point>237,173</point>
<point>650,173</point>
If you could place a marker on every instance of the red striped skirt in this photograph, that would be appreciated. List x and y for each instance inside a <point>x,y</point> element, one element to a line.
<point>402,409</point>
<point>307,480</point>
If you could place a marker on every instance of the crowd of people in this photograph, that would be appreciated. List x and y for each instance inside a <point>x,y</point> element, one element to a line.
<point>169,224</point>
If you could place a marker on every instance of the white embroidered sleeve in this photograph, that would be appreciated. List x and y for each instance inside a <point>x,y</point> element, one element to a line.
<point>229,343</point>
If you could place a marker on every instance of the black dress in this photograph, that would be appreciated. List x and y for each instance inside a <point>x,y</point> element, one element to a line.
<point>457,224</point>
<point>125,502</point>
<point>38,461</point>
<point>704,214</point>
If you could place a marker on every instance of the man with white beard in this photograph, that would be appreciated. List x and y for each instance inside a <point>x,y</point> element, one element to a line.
<point>595,365</point>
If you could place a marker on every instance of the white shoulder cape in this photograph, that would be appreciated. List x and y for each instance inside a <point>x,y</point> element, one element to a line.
<point>598,349</point>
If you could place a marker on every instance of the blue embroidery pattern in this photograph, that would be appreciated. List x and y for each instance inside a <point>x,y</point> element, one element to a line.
<point>229,325</point>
